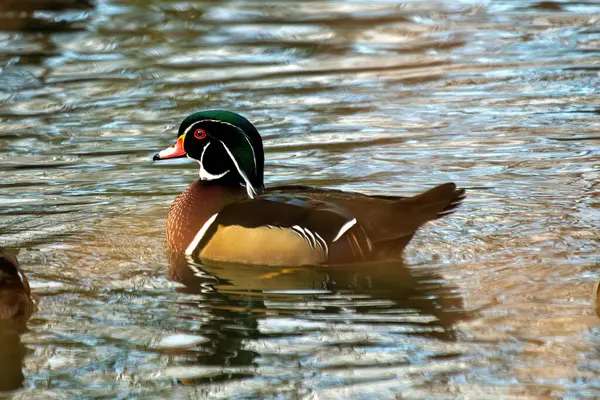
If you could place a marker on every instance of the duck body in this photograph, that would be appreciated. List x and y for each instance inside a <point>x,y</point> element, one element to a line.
<point>229,216</point>
<point>16,303</point>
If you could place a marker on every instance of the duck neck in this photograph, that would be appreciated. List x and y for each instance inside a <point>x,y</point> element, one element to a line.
<point>232,178</point>
<point>192,208</point>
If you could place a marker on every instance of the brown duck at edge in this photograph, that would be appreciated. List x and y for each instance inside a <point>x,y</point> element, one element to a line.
<point>15,296</point>
<point>229,216</point>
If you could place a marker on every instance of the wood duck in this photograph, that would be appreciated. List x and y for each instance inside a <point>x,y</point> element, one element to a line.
<point>229,216</point>
<point>15,295</point>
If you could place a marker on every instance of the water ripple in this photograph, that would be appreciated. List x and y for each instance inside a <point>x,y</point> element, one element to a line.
<point>381,97</point>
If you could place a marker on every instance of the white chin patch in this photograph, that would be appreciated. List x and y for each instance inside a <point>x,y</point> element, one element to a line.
<point>204,174</point>
<point>207,176</point>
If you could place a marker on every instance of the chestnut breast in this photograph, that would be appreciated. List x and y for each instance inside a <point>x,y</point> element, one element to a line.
<point>192,208</point>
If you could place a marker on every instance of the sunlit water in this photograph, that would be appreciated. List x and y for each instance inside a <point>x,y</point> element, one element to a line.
<point>497,300</point>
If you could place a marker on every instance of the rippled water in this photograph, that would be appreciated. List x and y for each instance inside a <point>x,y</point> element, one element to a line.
<point>385,97</point>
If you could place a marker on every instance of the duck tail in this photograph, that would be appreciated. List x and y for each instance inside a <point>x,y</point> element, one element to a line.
<point>437,202</point>
<point>413,212</point>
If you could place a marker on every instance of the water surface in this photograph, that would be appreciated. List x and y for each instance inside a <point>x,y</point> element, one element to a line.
<point>382,97</point>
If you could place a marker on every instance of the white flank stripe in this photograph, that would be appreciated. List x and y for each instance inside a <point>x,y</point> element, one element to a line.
<point>313,241</point>
<point>312,238</point>
<point>200,235</point>
<point>323,244</point>
<point>249,187</point>
<point>204,174</point>
<point>344,228</point>
<point>303,233</point>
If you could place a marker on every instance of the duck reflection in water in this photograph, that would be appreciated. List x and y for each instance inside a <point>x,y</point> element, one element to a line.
<point>239,299</point>
<point>16,307</point>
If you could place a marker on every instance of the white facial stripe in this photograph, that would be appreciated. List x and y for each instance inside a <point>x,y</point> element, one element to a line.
<point>208,176</point>
<point>249,188</point>
<point>243,134</point>
<point>21,276</point>
<point>4,275</point>
<point>190,249</point>
<point>253,154</point>
<point>204,174</point>
<point>189,128</point>
<point>344,228</point>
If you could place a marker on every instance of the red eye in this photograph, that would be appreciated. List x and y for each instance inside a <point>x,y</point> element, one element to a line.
<point>199,133</point>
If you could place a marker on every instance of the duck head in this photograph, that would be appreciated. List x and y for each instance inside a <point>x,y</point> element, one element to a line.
<point>10,272</point>
<point>16,304</point>
<point>226,145</point>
